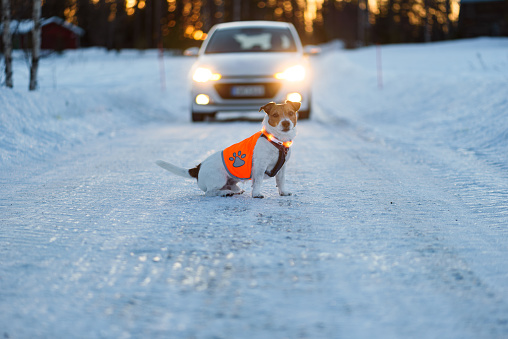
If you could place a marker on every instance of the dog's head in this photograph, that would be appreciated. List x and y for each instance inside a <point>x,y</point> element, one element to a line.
<point>282,117</point>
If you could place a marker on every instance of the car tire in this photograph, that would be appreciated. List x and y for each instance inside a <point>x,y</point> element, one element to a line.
<point>304,115</point>
<point>199,117</point>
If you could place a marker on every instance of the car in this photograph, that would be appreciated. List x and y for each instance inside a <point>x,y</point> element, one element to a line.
<point>241,66</point>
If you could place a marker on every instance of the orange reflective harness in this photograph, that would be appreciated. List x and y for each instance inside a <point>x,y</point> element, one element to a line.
<point>238,158</point>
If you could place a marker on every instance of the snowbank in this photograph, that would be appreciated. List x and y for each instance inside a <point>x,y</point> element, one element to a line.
<point>87,93</point>
<point>451,93</point>
<point>447,93</point>
<point>396,229</point>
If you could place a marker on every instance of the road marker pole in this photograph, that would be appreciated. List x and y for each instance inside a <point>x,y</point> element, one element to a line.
<point>162,70</point>
<point>379,67</point>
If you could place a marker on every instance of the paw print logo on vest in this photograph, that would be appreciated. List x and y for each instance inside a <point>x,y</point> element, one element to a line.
<point>238,162</point>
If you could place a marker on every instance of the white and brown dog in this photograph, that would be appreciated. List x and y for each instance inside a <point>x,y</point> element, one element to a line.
<point>258,157</point>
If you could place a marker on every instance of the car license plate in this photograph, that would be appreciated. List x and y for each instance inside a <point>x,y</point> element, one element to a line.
<point>248,91</point>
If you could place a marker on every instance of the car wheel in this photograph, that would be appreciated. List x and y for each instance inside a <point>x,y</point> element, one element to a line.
<point>304,115</point>
<point>197,117</point>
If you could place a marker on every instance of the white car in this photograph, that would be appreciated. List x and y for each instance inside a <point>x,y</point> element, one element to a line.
<point>241,66</point>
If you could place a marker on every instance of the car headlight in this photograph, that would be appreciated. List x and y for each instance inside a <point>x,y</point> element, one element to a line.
<point>204,74</point>
<point>295,73</point>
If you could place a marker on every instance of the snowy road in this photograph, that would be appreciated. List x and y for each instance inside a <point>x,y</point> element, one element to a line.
<point>105,243</point>
<point>397,226</point>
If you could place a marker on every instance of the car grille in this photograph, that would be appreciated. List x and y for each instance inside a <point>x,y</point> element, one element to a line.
<point>227,91</point>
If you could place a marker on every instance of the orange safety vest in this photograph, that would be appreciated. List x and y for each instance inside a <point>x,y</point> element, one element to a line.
<point>237,158</point>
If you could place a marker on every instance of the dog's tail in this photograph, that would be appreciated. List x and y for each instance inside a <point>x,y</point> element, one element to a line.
<point>183,172</point>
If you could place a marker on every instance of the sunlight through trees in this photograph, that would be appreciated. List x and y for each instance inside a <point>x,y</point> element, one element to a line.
<point>117,24</point>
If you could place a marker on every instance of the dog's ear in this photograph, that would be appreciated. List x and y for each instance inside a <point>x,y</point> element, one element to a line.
<point>294,105</point>
<point>268,107</point>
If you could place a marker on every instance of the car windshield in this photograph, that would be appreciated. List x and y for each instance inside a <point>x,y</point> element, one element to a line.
<point>257,39</point>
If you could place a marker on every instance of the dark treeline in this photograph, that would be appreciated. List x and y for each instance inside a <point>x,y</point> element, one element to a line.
<point>118,24</point>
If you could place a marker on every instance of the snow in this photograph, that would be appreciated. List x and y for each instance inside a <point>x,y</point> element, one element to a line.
<point>84,93</point>
<point>26,26</point>
<point>396,227</point>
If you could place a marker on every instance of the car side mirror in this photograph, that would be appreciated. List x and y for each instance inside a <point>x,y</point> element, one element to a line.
<point>192,51</point>
<point>311,50</point>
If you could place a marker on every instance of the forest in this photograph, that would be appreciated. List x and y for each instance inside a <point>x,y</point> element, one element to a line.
<point>142,24</point>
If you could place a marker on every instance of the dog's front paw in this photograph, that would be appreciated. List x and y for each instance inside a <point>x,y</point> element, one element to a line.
<point>259,196</point>
<point>285,194</point>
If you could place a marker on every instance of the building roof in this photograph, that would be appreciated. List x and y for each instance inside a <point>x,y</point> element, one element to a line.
<point>25,26</point>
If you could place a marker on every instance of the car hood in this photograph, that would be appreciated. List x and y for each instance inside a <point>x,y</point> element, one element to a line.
<point>248,64</point>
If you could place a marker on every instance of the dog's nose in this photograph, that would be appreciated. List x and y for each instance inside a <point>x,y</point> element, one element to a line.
<point>285,124</point>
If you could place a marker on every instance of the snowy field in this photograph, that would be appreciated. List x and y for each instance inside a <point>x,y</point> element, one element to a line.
<point>397,226</point>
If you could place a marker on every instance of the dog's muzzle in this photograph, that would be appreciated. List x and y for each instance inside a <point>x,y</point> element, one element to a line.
<point>286,125</point>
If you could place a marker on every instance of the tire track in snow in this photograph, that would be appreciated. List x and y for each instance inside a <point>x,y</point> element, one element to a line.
<point>151,255</point>
<point>451,233</point>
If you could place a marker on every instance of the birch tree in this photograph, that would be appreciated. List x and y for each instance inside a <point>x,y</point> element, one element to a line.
<point>7,41</point>
<point>36,43</point>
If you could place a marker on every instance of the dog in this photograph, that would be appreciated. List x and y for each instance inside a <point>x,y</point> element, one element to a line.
<point>261,156</point>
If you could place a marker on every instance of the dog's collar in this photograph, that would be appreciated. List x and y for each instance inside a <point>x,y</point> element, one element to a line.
<point>274,140</point>
<point>283,148</point>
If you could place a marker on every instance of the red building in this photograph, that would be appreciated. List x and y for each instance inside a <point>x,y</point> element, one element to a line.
<point>56,34</point>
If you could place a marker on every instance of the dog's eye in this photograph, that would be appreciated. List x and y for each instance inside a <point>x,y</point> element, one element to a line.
<point>275,115</point>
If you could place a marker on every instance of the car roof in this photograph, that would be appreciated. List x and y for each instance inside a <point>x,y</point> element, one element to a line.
<point>255,23</point>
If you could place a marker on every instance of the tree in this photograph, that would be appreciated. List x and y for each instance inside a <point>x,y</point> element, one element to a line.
<point>7,40</point>
<point>36,43</point>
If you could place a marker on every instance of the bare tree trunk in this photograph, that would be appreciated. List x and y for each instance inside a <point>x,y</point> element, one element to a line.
<point>36,43</point>
<point>221,9</point>
<point>148,24</point>
<point>448,23</point>
<point>428,27</point>
<point>237,10</point>
<point>362,10</point>
<point>7,40</point>
<point>157,15</point>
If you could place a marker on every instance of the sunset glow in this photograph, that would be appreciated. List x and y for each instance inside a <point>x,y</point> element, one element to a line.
<point>191,19</point>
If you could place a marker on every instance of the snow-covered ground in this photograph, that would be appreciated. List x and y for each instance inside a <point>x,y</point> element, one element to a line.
<point>397,227</point>
<point>87,93</point>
